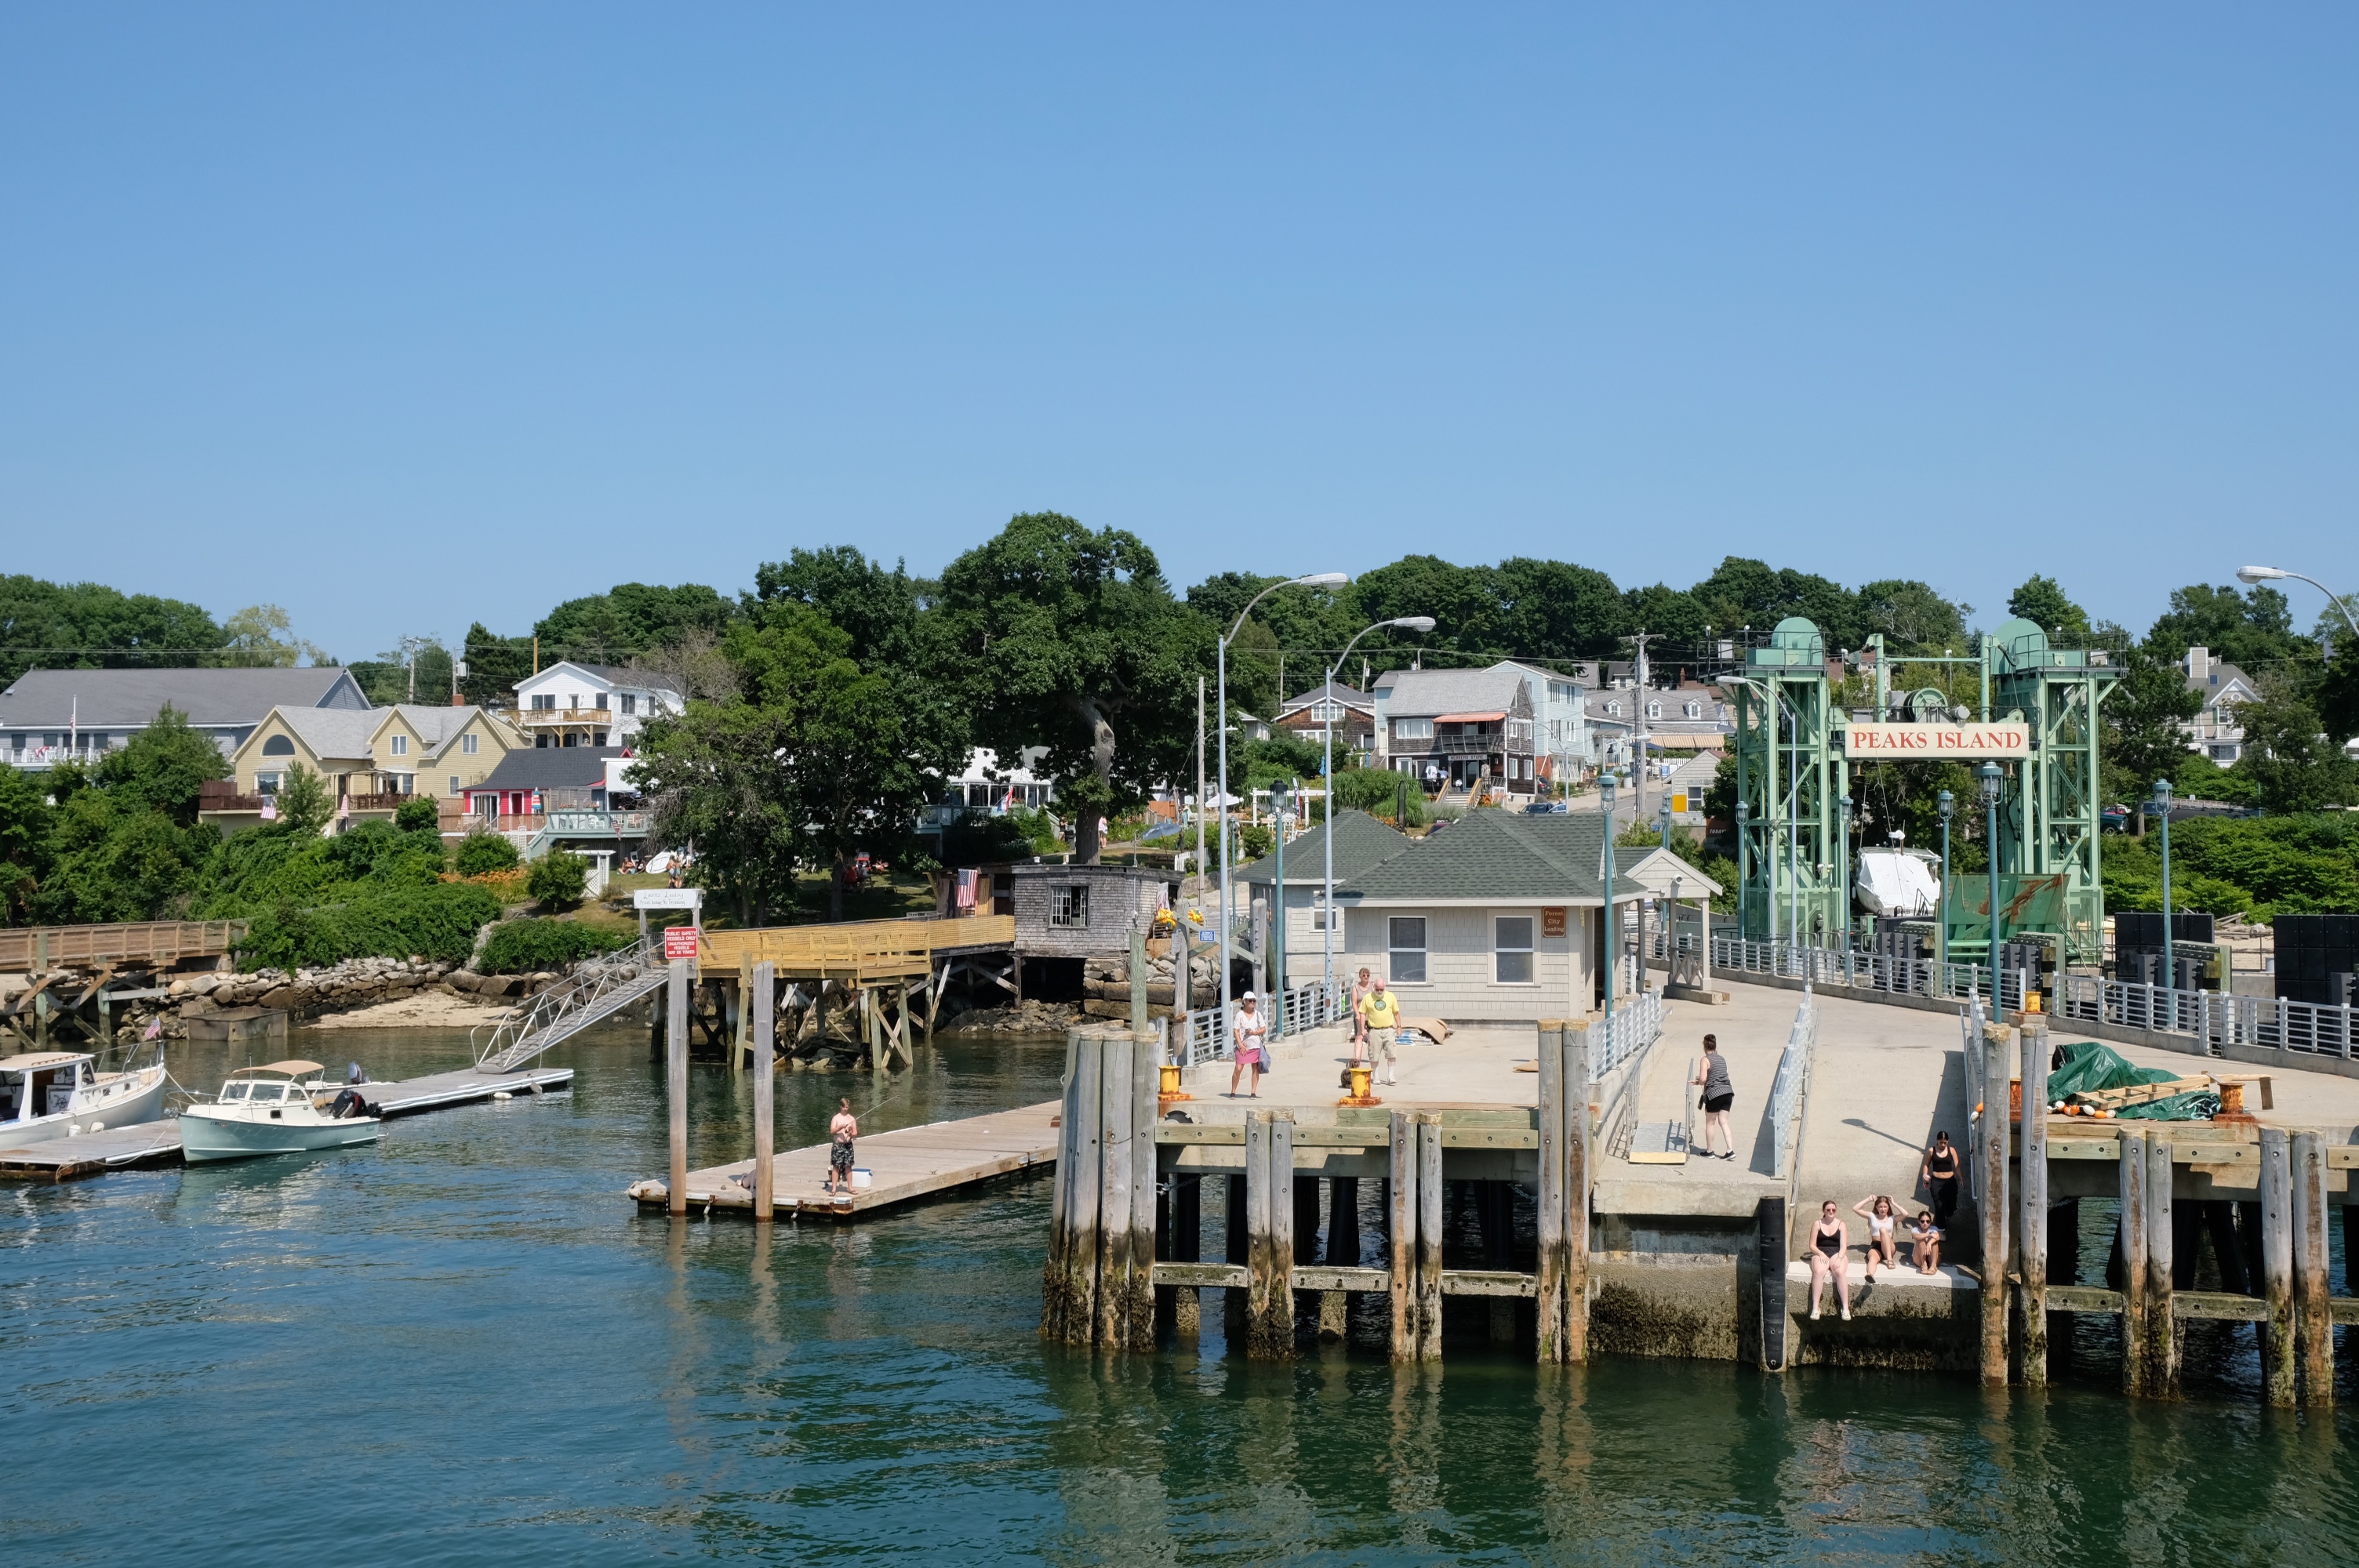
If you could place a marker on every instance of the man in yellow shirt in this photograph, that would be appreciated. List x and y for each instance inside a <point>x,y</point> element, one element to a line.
<point>1380,1011</point>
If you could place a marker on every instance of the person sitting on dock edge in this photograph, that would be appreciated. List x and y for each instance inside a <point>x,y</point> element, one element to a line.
<point>1881,1243</point>
<point>841,1131</point>
<point>1925,1238</point>
<point>1831,1256</point>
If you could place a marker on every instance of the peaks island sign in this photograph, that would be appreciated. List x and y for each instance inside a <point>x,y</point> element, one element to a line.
<point>1937,743</point>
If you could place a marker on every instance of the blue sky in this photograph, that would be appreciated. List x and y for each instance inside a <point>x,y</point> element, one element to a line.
<point>407,316</point>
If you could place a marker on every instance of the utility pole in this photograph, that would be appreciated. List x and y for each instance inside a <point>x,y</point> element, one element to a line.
<point>1639,772</point>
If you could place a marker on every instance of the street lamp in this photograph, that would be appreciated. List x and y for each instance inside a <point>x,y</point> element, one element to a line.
<point>1418,623</point>
<point>1842,867</point>
<point>1281,807</point>
<point>1221,659</point>
<point>1988,775</point>
<point>1664,816</point>
<point>2273,574</point>
<point>1743,819</point>
<point>1946,804</point>
<point>2169,944</point>
<point>1605,785</point>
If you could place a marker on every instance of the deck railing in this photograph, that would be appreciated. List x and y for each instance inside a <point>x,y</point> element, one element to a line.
<point>1308,1006</point>
<point>1637,1023</point>
<point>44,947</point>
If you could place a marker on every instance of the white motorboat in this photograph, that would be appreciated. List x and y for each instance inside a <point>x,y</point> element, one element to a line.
<point>60,1094</point>
<point>282,1108</point>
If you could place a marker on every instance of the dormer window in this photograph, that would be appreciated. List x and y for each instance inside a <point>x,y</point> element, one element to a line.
<point>1654,710</point>
<point>1614,709</point>
<point>1695,710</point>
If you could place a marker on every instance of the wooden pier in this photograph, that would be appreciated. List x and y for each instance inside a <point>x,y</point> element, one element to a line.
<point>907,1164</point>
<point>159,1142</point>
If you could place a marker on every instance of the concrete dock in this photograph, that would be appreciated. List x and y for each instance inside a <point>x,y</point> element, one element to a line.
<point>159,1142</point>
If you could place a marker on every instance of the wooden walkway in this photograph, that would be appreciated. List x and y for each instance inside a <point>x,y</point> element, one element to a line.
<point>853,951</point>
<point>159,1142</point>
<point>914,1163</point>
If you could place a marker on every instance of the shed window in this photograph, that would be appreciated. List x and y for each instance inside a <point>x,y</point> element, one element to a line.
<point>1068,903</point>
<point>1407,950</point>
<point>1511,948</point>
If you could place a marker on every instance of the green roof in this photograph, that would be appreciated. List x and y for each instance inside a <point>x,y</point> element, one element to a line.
<point>1499,855</point>
<point>1361,842</point>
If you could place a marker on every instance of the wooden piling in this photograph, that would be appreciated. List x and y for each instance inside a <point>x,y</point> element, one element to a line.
<point>1578,1131</point>
<point>1279,1330</point>
<point>2161,1274</point>
<point>675,1083</point>
<point>1429,1236</point>
<point>2031,1212</point>
<point>1269,1261</point>
<point>1342,1250</point>
<point>2278,1386</point>
<point>2131,1239</point>
<point>741,1037</point>
<point>1551,1216</point>
<point>1143,1080</point>
<point>1187,1246</point>
<point>1997,1077</point>
<point>1400,1234</point>
<point>765,1109</point>
<point>2312,1314</point>
<point>1117,1053</point>
<point>1069,1293</point>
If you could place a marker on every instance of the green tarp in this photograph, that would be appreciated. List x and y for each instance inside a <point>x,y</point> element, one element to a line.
<point>2087,1066</point>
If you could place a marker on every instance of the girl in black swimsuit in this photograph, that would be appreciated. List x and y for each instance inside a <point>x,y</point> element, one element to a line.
<point>1941,1178</point>
<point>1830,1247</point>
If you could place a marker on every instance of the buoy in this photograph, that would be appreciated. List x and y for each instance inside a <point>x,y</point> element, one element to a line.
<point>502,1093</point>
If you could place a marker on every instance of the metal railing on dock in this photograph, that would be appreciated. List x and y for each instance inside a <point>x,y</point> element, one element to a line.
<point>1308,1006</point>
<point>598,989</point>
<point>1789,1092</point>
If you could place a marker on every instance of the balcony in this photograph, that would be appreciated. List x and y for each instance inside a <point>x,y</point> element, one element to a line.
<point>599,824</point>
<point>572,718</point>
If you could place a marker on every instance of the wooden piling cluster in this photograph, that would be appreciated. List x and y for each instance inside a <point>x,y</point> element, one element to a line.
<point>2291,1306</point>
<point>1098,1285</point>
<point>1563,1192</point>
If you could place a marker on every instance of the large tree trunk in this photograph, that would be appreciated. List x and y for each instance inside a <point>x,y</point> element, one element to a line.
<point>1089,821</point>
<point>835,875</point>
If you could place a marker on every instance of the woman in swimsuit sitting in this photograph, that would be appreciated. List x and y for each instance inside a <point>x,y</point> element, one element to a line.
<point>1926,1237</point>
<point>1830,1252</point>
<point>1882,1224</point>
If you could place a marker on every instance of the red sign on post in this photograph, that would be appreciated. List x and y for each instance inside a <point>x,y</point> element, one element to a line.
<point>679,941</point>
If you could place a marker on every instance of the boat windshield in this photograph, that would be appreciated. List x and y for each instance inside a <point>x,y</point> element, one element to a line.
<point>235,1090</point>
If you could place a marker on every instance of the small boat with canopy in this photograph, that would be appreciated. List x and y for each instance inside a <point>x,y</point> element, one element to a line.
<point>280,1108</point>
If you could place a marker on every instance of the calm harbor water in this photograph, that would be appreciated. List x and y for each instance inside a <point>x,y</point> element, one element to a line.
<point>463,1346</point>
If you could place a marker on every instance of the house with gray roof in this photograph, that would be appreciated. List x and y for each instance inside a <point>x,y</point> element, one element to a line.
<point>1453,728</point>
<point>2216,731</point>
<point>572,703</point>
<point>1497,917</point>
<point>47,716</point>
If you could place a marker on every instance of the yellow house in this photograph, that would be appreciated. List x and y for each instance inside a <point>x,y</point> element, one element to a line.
<point>373,759</point>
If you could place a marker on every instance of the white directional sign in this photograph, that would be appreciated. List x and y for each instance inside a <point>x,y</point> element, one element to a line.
<point>667,898</point>
<point>2001,740</point>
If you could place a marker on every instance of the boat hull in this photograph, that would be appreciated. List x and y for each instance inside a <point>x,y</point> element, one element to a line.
<point>140,1099</point>
<point>206,1136</point>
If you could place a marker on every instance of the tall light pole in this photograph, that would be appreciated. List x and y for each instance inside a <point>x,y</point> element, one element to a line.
<point>1665,815</point>
<point>1743,819</point>
<point>2273,574</point>
<point>1418,624</point>
<point>1946,803</point>
<point>1613,954</point>
<point>1842,867</point>
<point>1988,775</point>
<point>2169,942</point>
<point>1281,807</point>
<point>1220,661</point>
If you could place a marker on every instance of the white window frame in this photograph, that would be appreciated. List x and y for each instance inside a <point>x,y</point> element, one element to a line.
<point>467,744</point>
<point>401,745</point>
<point>454,790</point>
<point>1503,951</point>
<point>1395,949</point>
<point>1318,909</point>
<point>1068,905</point>
<point>1412,729</point>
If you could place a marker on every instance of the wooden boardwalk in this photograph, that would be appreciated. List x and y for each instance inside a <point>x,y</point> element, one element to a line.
<point>911,1164</point>
<point>159,1142</point>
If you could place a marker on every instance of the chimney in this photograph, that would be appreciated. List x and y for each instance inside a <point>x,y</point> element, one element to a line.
<point>2199,666</point>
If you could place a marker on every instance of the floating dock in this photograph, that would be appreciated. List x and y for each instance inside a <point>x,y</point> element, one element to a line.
<point>159,1142</point>
<point>909,1165</point>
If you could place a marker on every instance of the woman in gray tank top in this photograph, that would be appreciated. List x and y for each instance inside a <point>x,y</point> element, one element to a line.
<point>1718,1095</point>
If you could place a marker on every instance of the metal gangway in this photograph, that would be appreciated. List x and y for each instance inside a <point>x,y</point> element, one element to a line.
<point>598,989</point>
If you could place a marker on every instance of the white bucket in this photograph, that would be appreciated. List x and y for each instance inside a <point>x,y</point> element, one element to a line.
<point>862,1180</point>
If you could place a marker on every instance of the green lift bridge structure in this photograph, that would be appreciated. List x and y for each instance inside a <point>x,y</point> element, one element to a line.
<point>1793,772</point>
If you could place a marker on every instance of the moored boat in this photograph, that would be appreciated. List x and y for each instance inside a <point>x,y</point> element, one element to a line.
<point>281,1108</point>
<point>60,1094</point>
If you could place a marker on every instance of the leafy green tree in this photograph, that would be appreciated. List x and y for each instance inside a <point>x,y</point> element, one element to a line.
<point>485,854</point>
<point>1072,641</point>
<point>2254,630</point>
<point>87,625</point>
<point>2295,766</point>
<point>25,828</point>
<point>878,611</point>
<point>115,860</point>
<point>1466,605</point>
<point>1742,591</point>
<point>1554,610</point>
<point>420,815</point>
<point>2338,691</point>
<point>2142,740</point>
<point>630,618</point>
<point>2041,602</point>
<point>1678,619</point>
<point>864,748</point>
<point>557,879</point>
<point>163,767</point>
<point>1912,617</point>
<point>304,804</point>
<point>261,635</point>
<point>713,777</point>
<point>495,665</point>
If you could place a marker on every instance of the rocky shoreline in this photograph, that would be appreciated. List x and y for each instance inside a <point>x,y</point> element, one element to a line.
<point>348,986</point>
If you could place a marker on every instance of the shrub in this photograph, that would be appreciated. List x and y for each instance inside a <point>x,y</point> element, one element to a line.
<point>436,920</point>
<point>419,814</point>
<point>480,853</point>
<point>559,880</point>
<point>520,947</point>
